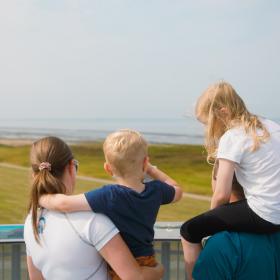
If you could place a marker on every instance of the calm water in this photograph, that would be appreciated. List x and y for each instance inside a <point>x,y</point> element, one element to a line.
<point>179,131</point>
<point>183,130</point>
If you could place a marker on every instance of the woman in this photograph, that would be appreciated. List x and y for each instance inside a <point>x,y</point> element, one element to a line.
<point>71,246</point>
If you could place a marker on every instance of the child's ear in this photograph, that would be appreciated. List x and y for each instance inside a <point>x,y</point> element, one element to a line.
<point>108,168</point>
<point>146,163</point>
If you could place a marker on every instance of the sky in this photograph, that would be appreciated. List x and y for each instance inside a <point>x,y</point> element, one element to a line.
<point>135,59</point>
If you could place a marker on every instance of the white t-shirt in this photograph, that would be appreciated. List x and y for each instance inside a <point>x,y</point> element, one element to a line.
<point>258,172</point>
<point>70,245</point>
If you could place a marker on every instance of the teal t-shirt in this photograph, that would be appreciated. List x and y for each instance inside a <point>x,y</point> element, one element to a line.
<point>239,256</point>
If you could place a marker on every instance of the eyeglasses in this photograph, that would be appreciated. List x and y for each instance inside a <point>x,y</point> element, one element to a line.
<point>76,164</point>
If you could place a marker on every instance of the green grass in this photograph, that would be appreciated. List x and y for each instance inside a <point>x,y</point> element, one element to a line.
<point>13,195</point>
<point>14,192</point>
<point>185,163</point>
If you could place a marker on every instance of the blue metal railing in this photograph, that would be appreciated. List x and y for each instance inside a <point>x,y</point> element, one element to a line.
<point>167,246</point>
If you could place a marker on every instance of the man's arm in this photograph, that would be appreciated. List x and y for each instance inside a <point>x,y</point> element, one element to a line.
<point>157,174</point>
<point>117,254</point>
<point>65,203</point>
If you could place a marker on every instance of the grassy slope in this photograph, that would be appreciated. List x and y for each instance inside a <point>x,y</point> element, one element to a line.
<point>14,193</point>
<point>185,163</point>
<point>14,197</point>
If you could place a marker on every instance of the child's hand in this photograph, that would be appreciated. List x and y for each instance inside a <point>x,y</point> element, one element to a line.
<point>157,174</point>
<point>48,200</point>
<point>150,170</point>
<point>43,201</point>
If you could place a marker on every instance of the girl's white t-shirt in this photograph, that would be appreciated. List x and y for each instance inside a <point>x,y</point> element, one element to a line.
<point>259,171</point>
<point>70,244</point>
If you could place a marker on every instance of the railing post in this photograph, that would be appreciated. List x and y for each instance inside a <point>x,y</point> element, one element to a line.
<point>2,266</point>
<point>165,259</point>
<point>16,256</point>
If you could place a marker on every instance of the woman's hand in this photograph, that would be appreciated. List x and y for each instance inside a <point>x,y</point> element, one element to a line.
<point>118,256</point>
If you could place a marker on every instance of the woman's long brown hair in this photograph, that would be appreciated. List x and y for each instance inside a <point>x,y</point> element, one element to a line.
<point>56,152</point>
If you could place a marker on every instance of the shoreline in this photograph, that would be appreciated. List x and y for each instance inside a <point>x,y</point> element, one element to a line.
<point>15,142</point>
<point>18,142</point>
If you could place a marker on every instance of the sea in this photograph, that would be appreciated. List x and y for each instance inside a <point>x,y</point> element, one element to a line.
<point>183,130</point>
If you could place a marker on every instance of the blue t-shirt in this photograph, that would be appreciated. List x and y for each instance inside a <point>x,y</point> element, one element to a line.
<point>133,213</point>
<point>239,256</point>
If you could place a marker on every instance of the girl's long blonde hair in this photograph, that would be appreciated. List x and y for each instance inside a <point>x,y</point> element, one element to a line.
<point>221,108</point>
<point>57,153</point>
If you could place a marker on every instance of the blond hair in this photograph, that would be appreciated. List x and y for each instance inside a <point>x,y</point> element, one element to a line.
<point>125,150</point>
<point>209,111</point>
<point>57,153</point>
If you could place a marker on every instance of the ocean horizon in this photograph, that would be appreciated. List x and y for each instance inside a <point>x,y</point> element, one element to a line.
<point>184,130</point>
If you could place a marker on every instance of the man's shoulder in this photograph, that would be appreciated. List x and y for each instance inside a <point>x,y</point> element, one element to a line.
<point>228,254</point>
<point>223,241</point>
<point>240,245</point>
<point>241,238</point>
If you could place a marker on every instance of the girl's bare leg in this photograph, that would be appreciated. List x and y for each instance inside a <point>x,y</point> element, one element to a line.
<point>191,253</point>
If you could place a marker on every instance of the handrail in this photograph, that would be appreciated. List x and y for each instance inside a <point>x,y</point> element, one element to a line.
<point>167,247</point>
<point>13,233</point>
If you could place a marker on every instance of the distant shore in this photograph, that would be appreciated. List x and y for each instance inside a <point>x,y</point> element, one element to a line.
<point>171,131</point>
<point>15,142</point>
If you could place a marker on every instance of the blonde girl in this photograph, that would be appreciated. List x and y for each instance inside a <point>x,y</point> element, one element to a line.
<point>249,146</point>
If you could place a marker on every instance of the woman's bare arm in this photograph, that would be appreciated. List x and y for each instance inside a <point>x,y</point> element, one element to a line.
<point>34,273</point>
<point>117,254</point>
